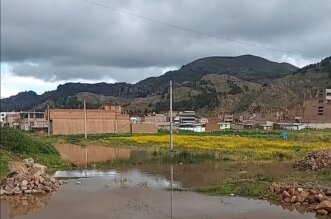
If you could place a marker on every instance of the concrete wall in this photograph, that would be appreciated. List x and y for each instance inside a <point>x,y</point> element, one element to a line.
<point>319,125</point>
<point>212,126</point>
<point>71,121</point>
<point>144,128</point>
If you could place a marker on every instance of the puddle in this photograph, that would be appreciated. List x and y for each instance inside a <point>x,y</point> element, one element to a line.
<point>137,194</point>
<point>101,196</point>
<point>200,174</point>
<point>113,179</point>
<point>95,153</point>
<point>145,191</point>
<point>211,173</point>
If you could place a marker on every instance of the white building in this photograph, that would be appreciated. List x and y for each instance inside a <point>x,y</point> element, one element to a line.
<point>224,125</point>
<point>192,127</point>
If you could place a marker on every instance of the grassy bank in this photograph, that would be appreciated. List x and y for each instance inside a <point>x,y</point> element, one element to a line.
<point>232,144</point>
<point>258,186</point>
<point>16,145</point>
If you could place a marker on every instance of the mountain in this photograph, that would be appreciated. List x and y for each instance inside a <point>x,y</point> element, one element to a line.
<point>205,85</point>
<point>22,101</point>
<point>246,67</point>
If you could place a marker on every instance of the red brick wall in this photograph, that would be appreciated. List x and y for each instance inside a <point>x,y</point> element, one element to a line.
<point>71,121</point>
<point>144,128</point>
<point>311,111</point>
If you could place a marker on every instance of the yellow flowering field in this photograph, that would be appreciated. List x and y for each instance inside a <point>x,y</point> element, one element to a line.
<point>232,145</point>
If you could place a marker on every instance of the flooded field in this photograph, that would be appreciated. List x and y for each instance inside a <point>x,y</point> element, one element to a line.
<point>200,174</point>
<point>135,194</point>
<point>147,190</point>
<point>95,153</point>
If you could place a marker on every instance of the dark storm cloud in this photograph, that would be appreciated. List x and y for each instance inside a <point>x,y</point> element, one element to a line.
<point>70,39</point>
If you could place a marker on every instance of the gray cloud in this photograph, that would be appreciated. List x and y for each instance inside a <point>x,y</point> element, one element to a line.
<point>74,39</point>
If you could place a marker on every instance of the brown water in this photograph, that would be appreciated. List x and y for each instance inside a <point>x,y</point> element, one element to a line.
<point>211,173</point>
<point>96,153</point>
<point>134,194</point>
<point>145,191</point>
<point>202,174</point>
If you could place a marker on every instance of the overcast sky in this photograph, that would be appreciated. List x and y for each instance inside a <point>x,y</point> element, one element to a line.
<point>45,43</point>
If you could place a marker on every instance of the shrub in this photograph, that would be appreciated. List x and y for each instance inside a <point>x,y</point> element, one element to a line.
<point>18,142</point>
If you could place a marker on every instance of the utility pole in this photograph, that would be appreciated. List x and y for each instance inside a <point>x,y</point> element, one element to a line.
<point>172,190</point>
<point>85,128</point>
<point>85,133</point>
<point>48,121</point>
<point>171,125</point>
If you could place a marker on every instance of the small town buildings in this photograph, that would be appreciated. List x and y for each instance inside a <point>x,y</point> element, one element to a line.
<point>135,119</point>
<point>327,95</point>
<point>317,111</point>
<point>224,125</point>
<point>9,119</point>
<point>203,120</point>
<point>193,127</point>
<point>33,121</point>
<point>289,126</point>
<point>212,124</point>
<point>266,125</point>
<point>156,118</point>
<point>27,121</point>
<point>187,118</point>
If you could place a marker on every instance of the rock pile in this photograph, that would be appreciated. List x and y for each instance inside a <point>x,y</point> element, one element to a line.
<point>315,161</point>
<point>313,198</point>
<point>28,177</point>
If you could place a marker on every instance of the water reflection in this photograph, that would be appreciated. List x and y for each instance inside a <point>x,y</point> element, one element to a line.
<point>172,189</point>
<point>22,205</point>
<point>113,179</point>
<point>136,194</point>
<point>95,153</point>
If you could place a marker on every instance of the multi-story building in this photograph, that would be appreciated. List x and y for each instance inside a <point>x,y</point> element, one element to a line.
<point>27,121</point>
<point>327,95</point>
<point>187,117</point>
<point>318,110</point>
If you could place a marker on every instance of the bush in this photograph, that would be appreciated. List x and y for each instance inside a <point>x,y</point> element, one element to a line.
<point>21,143</point>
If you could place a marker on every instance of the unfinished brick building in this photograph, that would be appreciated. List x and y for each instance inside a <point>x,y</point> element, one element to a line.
<point>318,110</point>
<point>71,121</point>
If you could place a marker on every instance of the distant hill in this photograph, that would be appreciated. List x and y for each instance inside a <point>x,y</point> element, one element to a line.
<point>22,101</point>
<point>205,85</point>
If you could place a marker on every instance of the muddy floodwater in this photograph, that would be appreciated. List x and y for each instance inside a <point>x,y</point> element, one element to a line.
<point>135,194</point>
<point>147,191</point>
<point>96,153</point>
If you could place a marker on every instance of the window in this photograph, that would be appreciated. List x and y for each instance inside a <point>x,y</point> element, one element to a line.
<point>320,101</point>
<point>328,94</point>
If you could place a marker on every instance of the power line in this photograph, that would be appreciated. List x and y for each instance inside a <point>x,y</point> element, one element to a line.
<point>193,30</point>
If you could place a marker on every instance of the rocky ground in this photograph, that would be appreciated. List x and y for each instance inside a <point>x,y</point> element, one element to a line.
<point>28,177</point>
<point>310,197</point>
<point>315,161</point>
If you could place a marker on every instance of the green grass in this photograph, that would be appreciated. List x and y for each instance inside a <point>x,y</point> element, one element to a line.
<point>255,187</point>
<point>17,145</point>
<point>258,186</point>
